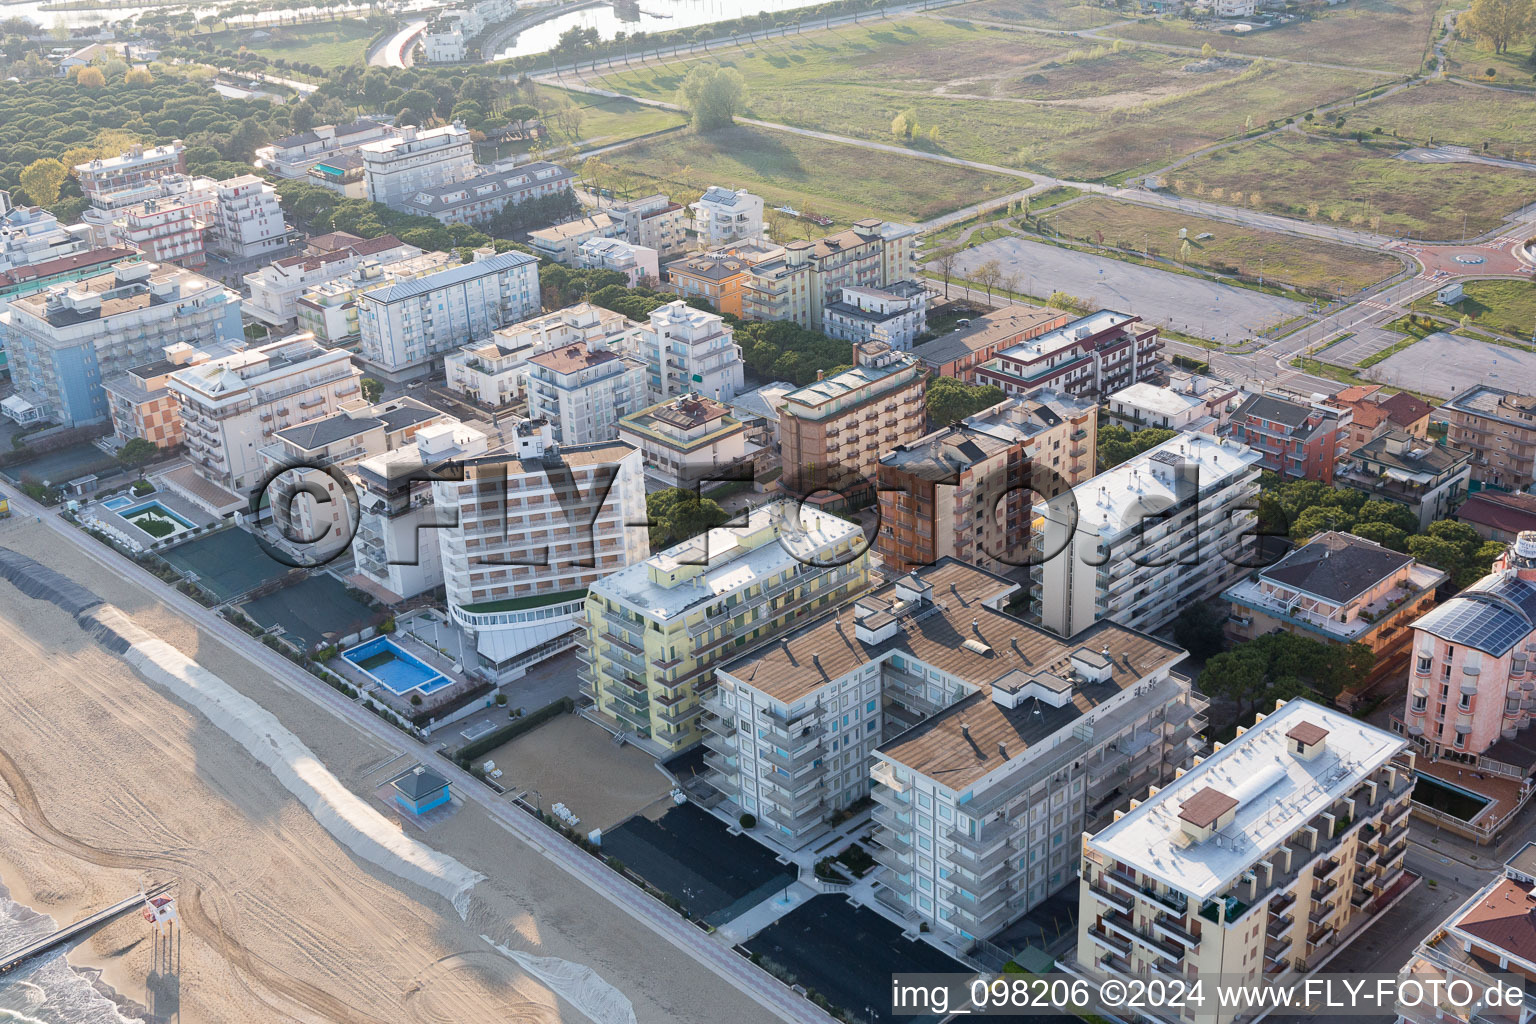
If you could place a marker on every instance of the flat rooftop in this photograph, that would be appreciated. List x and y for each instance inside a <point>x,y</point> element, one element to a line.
<point>1066,336</point>
<point>986,330</point>
<point>1158,400</point>
<point>1275,793</point>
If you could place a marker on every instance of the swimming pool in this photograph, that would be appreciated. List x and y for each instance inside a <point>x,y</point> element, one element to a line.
<point>118,503</point>
<point>395,669</point>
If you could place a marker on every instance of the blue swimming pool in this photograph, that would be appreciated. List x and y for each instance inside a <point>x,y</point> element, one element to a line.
<point>393,668</point>
<point>118,503</point>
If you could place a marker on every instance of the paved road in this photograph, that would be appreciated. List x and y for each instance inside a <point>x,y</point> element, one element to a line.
<point>395,52</point>
<point>714,955</point>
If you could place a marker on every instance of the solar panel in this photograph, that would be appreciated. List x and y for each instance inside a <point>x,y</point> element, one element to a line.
<point>1474,623</point>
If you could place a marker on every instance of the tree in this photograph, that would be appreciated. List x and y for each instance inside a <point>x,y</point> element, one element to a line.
<point>1385,534</point>
<point>371,388</point>
<point>988,275</point>
<point>950,401</point>
<point>1498,23</point>
<point>136,454</point>
<point>1117,444</point>
<point>1200,628</point>
<point>677,515</point>
<point>43,179</point>
<point>712,96</point>
<point>946,265</point>
<point>904,125</point>
<point>139,76</point>
<point>90,78</point>
<point>301,116</point>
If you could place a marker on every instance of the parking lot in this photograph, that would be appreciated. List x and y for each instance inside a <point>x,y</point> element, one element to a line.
<point>1445,365</point>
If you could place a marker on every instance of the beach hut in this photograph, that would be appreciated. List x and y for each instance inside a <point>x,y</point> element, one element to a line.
<point>421,789</point>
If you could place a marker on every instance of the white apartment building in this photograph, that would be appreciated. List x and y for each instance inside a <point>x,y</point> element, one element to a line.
<point>478,198</point>
<point>248,223</point>
<point>495,372</point>
<point>30,235</point>
<point>329,310</point>
<point>688,350</point>
<point>1255,865</point>
<point>397,542</point>
<point>292,157</point>
<point>447,35</point>
<point>636,262</point>
<point>65,340</point>
<point>415,159</point>
<point>1236,8</point>
<point>1141,541</point>
<point>137,166</point>
<point>231,405</point>
<point>172,226</point>
<point>895,314</point>
<point>1186,402</point>
<point>584,390</point>
<point>723,215</point>
<point>654,221</point>
<point>689,439</point>
<point>275,288</point>
<point>536,527</point>
<point>404,326</point>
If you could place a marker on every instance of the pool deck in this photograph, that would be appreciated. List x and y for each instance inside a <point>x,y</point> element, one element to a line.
<point>167,499</point>
<point>1502,793</point>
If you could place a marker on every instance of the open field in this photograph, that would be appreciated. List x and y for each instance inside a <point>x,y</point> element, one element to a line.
<point>1505,306</point>
<point>1038,13</point>
<point>842,182</point>
<point>606,119</point>
<point>1388,34</point>
<point>1440,113</point>
<point>1301,262</point>
<point>1361,185</point>
<point>1468,59</point>
<point>1067,106</point>
<point>331,44</point>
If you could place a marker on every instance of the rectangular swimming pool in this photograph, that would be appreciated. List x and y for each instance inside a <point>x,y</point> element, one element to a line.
<point>118,503</point>
<point>394,668</point>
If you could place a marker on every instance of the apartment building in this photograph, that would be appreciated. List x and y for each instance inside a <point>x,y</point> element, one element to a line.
<point>561,242</point>
<point>653,221</point>
<point>1499,515</point>
<point>140,398</point>
<point>31,235</point>
<point>24,280</point>
<point>1299,439</point>
<point>1408,413</point>
<point>723,215</point>
<point>397,167</point>
<point>689,440</point>
<point>136,166</point>
<point>1139,542</point>
<point>798,280</point>
<point>1189,401</point>
<point>1339,589</point>
<point>833,431</point>
<point>965,490</point>
<point>759,410</point>
<point>1094,355</point>
<point>584,390</point>
<point>329,310</point>
<point>717,278</point>
<point>1471,696</point>
<point>1367,419</point>
<point>171,226</point>
<point>293,156</point>
<point>341,174</point>
<point>495,372</point>
<point>972,731</point>
<point>976,339</point>
<point>478,198</point>
<point>896,314</point>
<point>1255,865</point>
<point>231,405</point>
<point>276,287</point>
<point>66,339</point>
<point>535,528</point>
<point>105,217</point>
<point>638,263</point>
<point>688,350</point>
<point>447,36</point>
<point>1498,427</point>
<point>396,547</point>
<point>655,630</point>
<point>403,327</point>
<point>248,222</point>
<point>1428,479</point>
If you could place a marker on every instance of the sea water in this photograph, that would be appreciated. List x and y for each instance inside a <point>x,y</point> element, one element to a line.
<point>46,990</point>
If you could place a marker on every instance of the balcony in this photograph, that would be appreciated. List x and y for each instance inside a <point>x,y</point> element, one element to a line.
<point>799,759</point>
<point>1121,925</point>
<point>887,819</point>
<point>720,743</point>
<point>1111,898</point>
<point>1275,949</point>
<point>1113,943</point>
<point>900,863</point>
<point>892,841</point>
<point>797,821</point>
<point>720,764</point>
<point>1173,928</point>
<point>895,801</point>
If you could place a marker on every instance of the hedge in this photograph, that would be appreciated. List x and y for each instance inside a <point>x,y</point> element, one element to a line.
<point>512,730</point>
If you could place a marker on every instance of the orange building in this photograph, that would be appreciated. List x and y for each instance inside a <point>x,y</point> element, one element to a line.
<point>717,277</point>
<point>142,404</point>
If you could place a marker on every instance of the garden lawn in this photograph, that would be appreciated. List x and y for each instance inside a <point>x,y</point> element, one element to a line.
<point>330,44</point>
<point>1438,113</point>
<point>842,182</point>
<point>1301,262</point>
<point>1505,306</point>
<point>1392,35</point>
<point>1360,185</point>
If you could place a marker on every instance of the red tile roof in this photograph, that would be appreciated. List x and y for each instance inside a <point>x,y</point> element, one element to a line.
<point>1509,513</point>
<point>1404,409</point>
<point>1505,920</point>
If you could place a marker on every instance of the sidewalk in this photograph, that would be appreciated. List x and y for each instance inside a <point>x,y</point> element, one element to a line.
<point>742,928</point>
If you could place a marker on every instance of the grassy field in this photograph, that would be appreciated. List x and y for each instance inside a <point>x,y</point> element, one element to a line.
<point>330,44</point>
<point>1039,13</point>
<point>841,182</point>
<point>1444,112</point>
<point>1056,104</point>
<point>1468,59</point>
<point>1302,262</point>
<point>606,119</point>
<point>1505,306</point>
<point>1347,183</point>
<point>1392,35</point>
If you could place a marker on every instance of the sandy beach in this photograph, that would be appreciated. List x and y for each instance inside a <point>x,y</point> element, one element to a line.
<point>107,782</point>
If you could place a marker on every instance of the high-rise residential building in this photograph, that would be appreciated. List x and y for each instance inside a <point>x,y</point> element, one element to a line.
<point>536,527</point>
<point>1426,478</point>
<point>1093,355</point>
<point>30,235</point>
<point>1499,428</point>
<point>403,327</point>
<point>170,226</point>
<point>1139,542</point>
<point>329,310</point>
<point>638,263</point>
<point>276,287</point>
<point>688,350</point>
<point>415,159</point>
<point>106,216</point>
<point>65,340</point>
<point>655,630</point>
<point>723,215</point>
<point>798,280</point>
<point>833,431</point>
<point>141,401</point>
<point>136,166</point>
<point>1255,865</point>
<point>231,405</point>
<point>895,314</point>
<point>248,222</point>
<point>976,339</point>
<point>293,156</point>
<point>1471,682</point>
<point>1298,438</point>
<point>584,390</point>
<point>966,489</point>
<point>561,242</point>
<point>986,744</point>
<point>24,280</point>
<point>689,440</point>
<point>478,198</point>
<point>654,221</point>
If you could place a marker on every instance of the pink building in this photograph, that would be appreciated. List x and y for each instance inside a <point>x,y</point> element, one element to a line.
<point>1471,681</point>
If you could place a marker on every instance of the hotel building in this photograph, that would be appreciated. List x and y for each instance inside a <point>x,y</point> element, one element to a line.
<point>329,310</point>
<point>292,157</point>
<point>981,337</point>
<point>723,215</point>
<point>1428,479</point>
<point>275,288</point>
<point>1298,439</point>
<point>248,223</point>
<point>688,441</point>
<point>478,198</point>
<point>141,401</point>
<point>136,166</point>
<point>397,167</point>
<point>1498,427</point>
<point>584,390</point>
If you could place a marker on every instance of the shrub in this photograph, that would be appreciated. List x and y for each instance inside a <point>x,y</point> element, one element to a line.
<point>501,700</point>
<point>416,700</point>
<point>748,821</point>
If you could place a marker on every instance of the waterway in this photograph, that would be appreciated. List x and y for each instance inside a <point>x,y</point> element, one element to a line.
<point>646,16</point>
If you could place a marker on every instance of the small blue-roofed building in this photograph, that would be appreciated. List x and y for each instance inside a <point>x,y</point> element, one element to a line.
<point>421,790</point>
